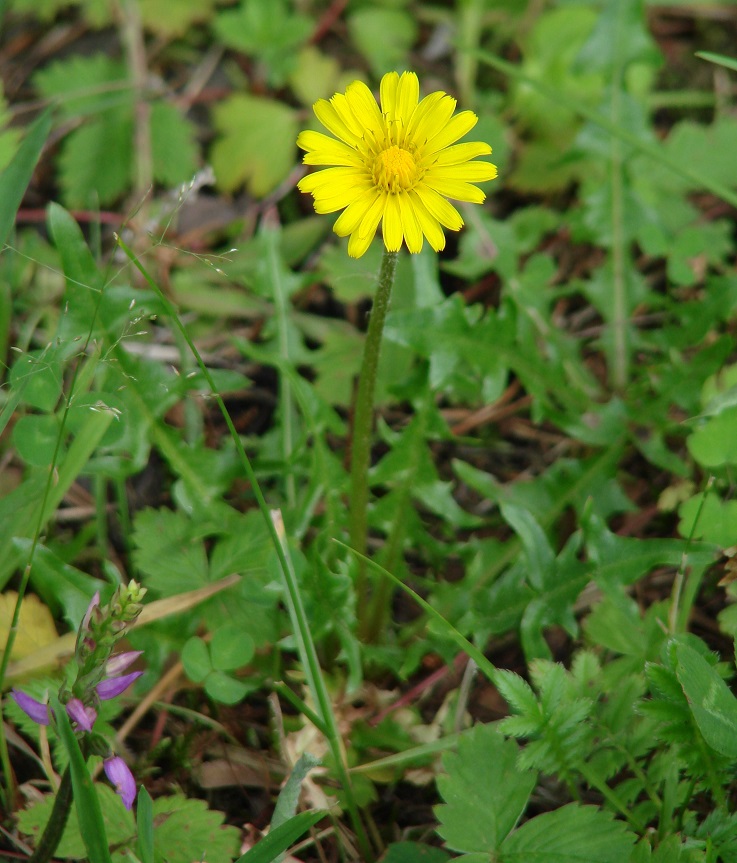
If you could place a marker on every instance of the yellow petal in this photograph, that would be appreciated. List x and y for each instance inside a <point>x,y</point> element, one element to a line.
<point>460,125</point>
<point>432,114</point>
<point>331,120</point>
<point>388,94</point>
<point>336,178</point>
<point>456,189</point>
<point>439,208</point>
<point>322,150</point>
<point>457,153</point>
<point>336,200</point>
<point>346,116</point>
<point>472,172</point>
<point>392,224</point>
<point>370,221</point>
<point>358,245</point>
<point>349,220</point>
<point>410,225</point>
<point>364,108</point>
<point>408,92</point>
<point>429,224</point>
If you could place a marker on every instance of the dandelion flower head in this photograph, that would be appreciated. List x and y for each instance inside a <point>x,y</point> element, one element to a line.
<point>396,165</point>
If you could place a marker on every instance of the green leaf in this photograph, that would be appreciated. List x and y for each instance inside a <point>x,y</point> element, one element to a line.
<point>714,443</point>
<point>118,822</point>
<point>35,438</point>
<point>279,839</point>
<point>727,62</point>
<point>196,659</point>
<point>186,830</point>
<point>710,518</point>
<point>85,86</point>
<point>173,145</point>
<point>167,552</point>
<point>224,688</point>
<point>38,376</point>
<point>17,174</point>
<point>231,648</point>
<point>485,793</point>
<point>256,143</point>
<point>413,852</point>
<point>171,18</point>
<point>712,704</point>
<point>145,825</point>
<point>288,800</point>
<point>86,801</point>
<point>272,32</point>
<point>96,160</point>
<point>383,36</point>
<point>571,834</point>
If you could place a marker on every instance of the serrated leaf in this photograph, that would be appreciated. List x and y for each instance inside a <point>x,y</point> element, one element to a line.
<point>186,830</point>
<point>167,552</point>
<point>383,36</point>
<point>271,32</point>
<point>713,705</point>
<point>96,160</point>
<point>173,145</point>
<point>517,692</point>
<point>174,17</point>
<point>484,791</point>
<point>571,834</point>
<point>256,146</point>
<point>118,822</point>
<point>85,86</point>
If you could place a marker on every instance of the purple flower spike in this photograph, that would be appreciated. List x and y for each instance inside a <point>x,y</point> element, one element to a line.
<point>121,661</point>
<point>84,716</point>
<point>94,603</point>
<point>113,686</point>
<point>120,776</point>
<point>38,711</point>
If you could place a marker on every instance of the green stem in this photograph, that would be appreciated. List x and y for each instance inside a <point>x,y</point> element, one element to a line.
<point>54,829</point>
<point>363,422</point>
<point>620,322</point>
<point>378,615</point>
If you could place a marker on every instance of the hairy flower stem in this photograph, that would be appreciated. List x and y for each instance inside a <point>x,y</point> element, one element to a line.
<point>57,821</point>
<point>363,427</point>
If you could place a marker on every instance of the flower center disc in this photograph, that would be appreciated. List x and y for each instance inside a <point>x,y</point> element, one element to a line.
<point>395,169</point>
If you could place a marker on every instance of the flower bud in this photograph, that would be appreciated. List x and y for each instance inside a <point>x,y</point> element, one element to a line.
<point>122,779</point>
<point>38,711</point>
<point>114,686</point>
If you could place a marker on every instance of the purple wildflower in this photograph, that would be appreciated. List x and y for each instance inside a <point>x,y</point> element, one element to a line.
<point>37,710</point>
<point>120,662</point>
<point>120,776</point>
<point>113,686</point>
<point>84,716</point>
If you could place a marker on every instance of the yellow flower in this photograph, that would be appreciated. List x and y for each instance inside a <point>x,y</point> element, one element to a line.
<point>395,164</point>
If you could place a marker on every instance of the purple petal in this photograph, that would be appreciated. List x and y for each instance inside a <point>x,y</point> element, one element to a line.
<point>121,661</point>
<point>38,712</point>
<point>113,686</point>
<point>84,716</point>
<point>120,776</point>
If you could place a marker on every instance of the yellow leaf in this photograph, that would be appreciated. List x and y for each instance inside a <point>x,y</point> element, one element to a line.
<point>35,626</point>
